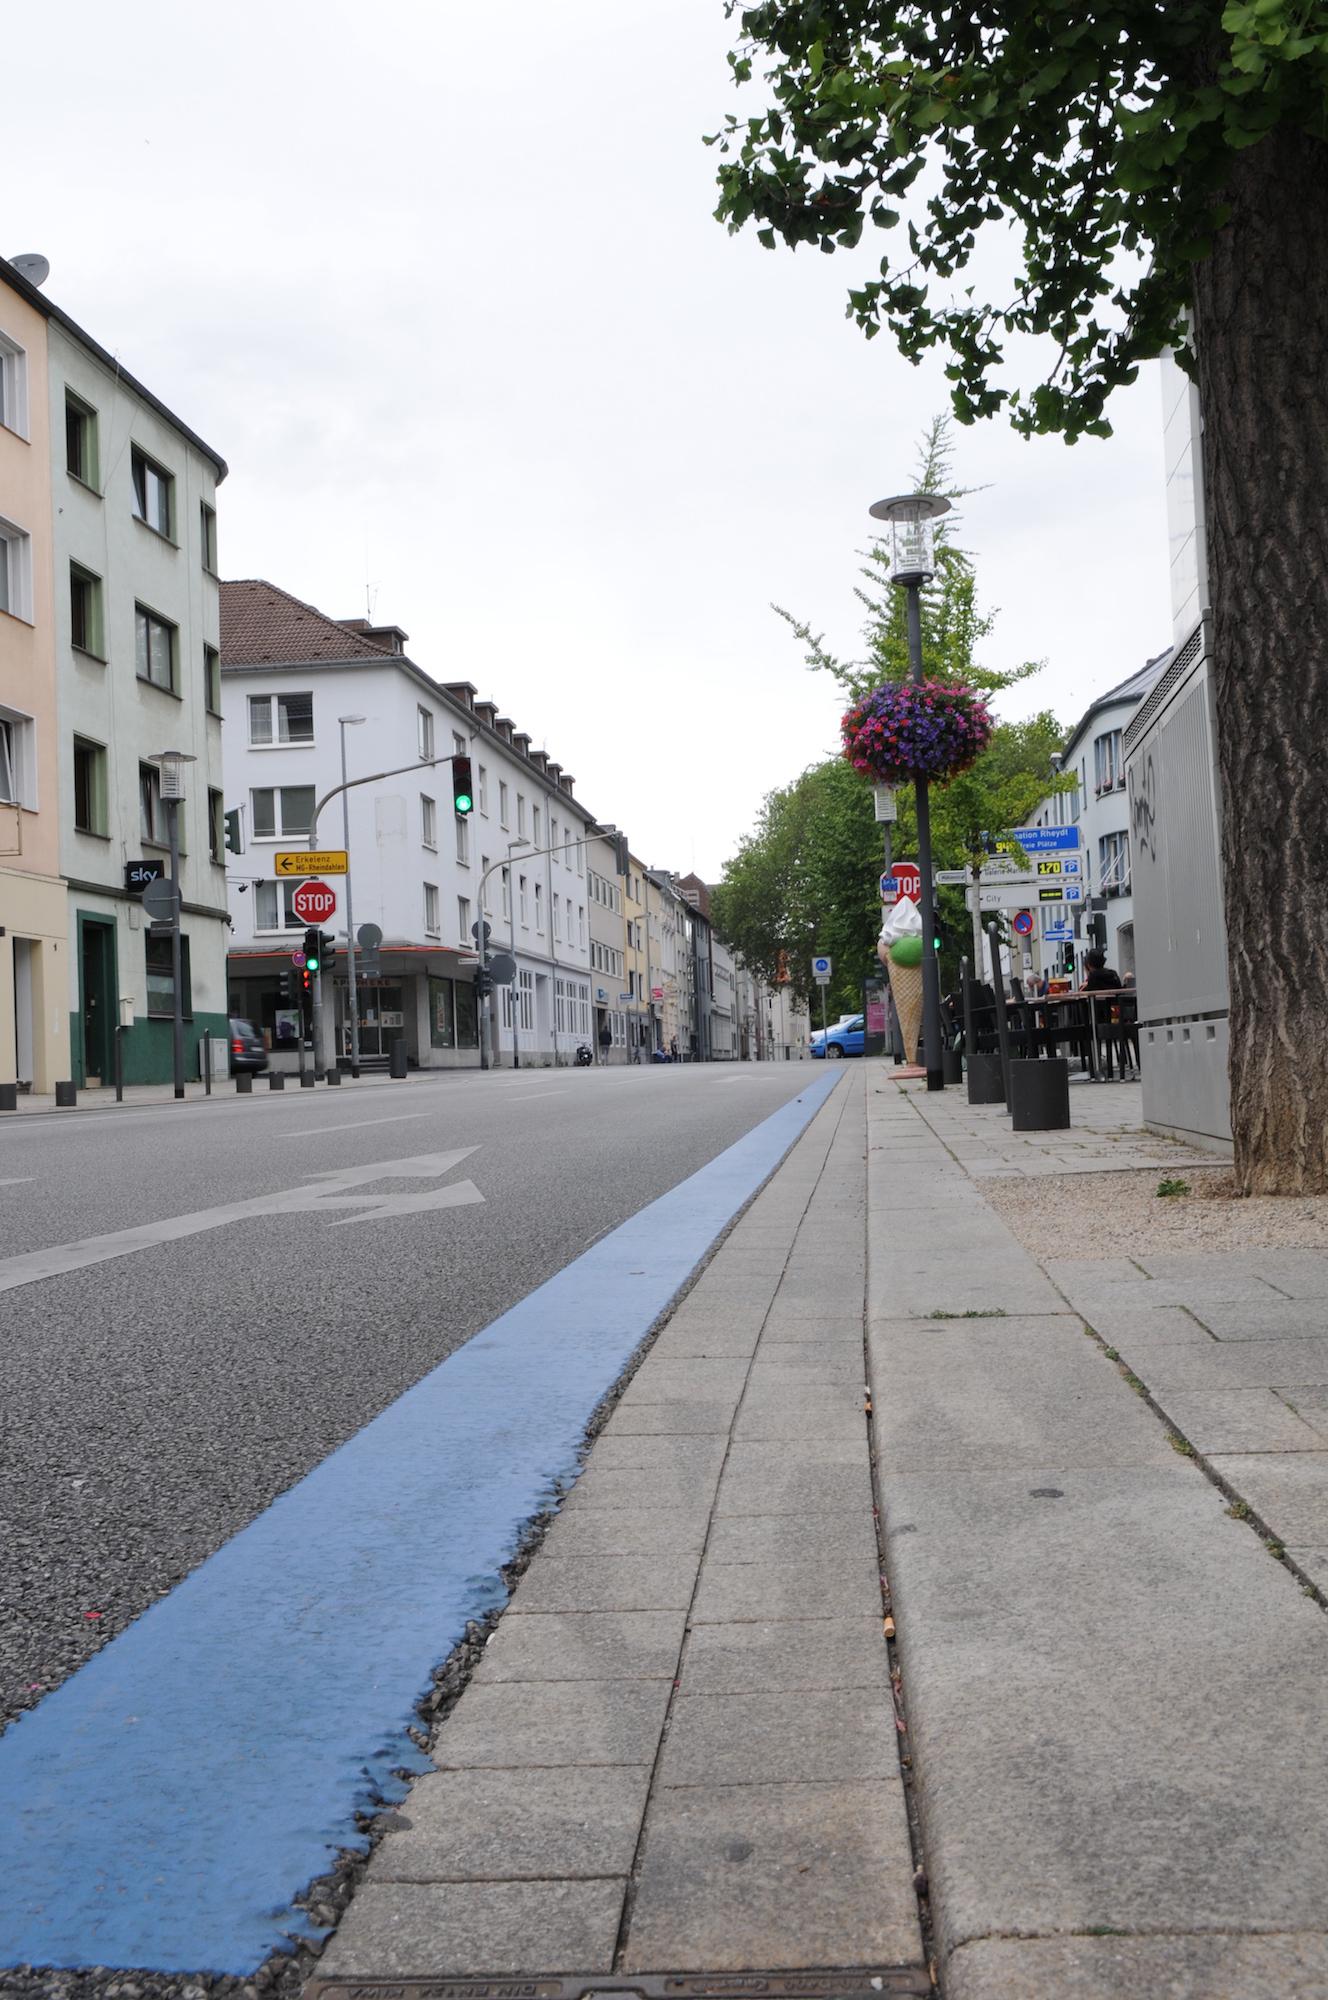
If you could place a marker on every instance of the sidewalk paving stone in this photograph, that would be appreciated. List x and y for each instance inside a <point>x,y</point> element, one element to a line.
<point>731,1593</point>
<point>1231,1364</point>
<point>763,1739</point>
<point>394,1929</point>
<point>1239,1420</point>
<point>585,1534</point>
<point>583,1645</point>
<point>1194,1967</point>
<point>489,1826</point>
<point>1274,1319</point>
<point>598,1490</point>
<point>784,1538</point>
<point>782,1874</point>
<point>701,1456</point>
<point>788,1477</point>
<point>786,1656</point>
<point>605,1583</point>
<point>513,1723</point>
<point>698,1417</point>
<point>1290,1493</point>
<point>663,1381</point>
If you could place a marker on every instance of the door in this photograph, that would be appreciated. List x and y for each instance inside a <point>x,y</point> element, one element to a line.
<point>97,966</point>
<point>382,1018</point>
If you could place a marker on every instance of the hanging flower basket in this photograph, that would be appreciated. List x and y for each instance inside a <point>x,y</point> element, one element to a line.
<point>898,733</point>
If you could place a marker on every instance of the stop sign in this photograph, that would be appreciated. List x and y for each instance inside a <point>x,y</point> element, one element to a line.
<point>313,902</point>
<point>909,877</point>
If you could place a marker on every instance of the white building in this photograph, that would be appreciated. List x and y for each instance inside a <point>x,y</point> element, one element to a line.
<point>1097,803</point>
<point>137,634</point>
<point>296,684</point>
<point>723,1003</point>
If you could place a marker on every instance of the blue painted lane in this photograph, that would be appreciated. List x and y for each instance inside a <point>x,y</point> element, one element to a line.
<point>164,1807</point>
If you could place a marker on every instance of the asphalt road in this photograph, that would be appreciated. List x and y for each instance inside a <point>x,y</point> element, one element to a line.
<point>153,1402</point>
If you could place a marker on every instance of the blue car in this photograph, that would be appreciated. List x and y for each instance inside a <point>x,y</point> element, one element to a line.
<point>845,1038</point>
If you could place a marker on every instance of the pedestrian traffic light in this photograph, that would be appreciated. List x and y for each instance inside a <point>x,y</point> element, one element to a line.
<point>313,950</point>
<point>284,986</point>
<point>233,842</point>
<point>463,800</point>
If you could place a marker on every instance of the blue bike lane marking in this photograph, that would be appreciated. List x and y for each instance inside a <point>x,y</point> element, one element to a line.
<point>166,1804</point>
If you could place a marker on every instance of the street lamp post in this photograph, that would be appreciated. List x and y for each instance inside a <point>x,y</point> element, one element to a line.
<point>171,764</point>
<point>352,990</point>
<point>913,563</point>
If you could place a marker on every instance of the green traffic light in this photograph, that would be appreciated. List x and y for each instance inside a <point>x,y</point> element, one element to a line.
<point>311,965</point>
<point>463,802</point>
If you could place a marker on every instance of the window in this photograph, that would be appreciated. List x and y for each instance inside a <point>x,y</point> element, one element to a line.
<point>424,727</point>
<point>13,386</point>
<point>431,923</point>
<point>522,903</point>
<point>483,790</point>
<point>553,833</point>
<point>281,812</point>
<point>216,828</point>
<point>18,765</point>
<point>535,825</point>
<point>463,919</point>
<point>520,815</point>
<point>207,525</point>
<point>580,922</point>
<point>527,993</point>
<point>272,907</point>
<point>81,439</point>
<point>507,895</point>
<point>15,571</point>
<point>558,919</point>
<point>154,493</point>
<point>459,745</point>
<point>1113,860</point>
<point>161,979</point>
<point>539,906</point>
<point>89,787</point>
<point>212,679</point>
<point>486,892</point>
<point>1108,764</point>
<point>463,841</point>
<point>85,623</point>
<point>580,858</point>
<point>428,821</point>
<point>280,718</point>
<point>155,641</point>
<point>567,847</point>
<point>8,763</point>
<point>502,803</point>
<point>151,812</point>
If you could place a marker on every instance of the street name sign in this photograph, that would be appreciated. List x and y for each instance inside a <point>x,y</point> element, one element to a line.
<point>953,878</point>
<point>305,861</point>
<point>314,902</point>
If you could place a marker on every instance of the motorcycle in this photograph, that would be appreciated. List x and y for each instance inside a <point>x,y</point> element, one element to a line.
<point>584,1055</point>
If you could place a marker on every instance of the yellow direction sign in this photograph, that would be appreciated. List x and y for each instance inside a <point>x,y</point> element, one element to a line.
<point>304,861</point>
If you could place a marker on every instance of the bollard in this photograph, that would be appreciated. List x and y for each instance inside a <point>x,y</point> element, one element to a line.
<point>276,1081</point>
<point>986,1085</point>
<point>1040,1094</point>
<point>207,1063</point>
<point>8,1097</point>
<point>334,1076</point>
<point>244,1084</point>
<point>66,1096</point>
<point>307,1079</point>
<point>952,1065</point>
<point>398,1058</point>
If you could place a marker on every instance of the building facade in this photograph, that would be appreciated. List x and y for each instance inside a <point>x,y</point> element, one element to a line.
<point>34,951</point>
<point>302,690</point>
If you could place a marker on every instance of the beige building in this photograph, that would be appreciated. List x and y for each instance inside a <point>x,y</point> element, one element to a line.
<point>34,973</point>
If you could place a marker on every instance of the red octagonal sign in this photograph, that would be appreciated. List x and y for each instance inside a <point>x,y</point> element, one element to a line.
<point>313,902</point>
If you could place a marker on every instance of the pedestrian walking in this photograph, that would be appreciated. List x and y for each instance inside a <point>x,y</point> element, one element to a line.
<point>605,1040</point>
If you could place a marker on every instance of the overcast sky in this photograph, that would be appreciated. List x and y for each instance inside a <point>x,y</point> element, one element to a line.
<point>443,286</point>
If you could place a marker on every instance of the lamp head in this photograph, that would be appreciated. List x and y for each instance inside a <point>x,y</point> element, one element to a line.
<point>912,534</point>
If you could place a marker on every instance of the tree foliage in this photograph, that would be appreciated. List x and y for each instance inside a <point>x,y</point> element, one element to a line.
<point>1104,136</point>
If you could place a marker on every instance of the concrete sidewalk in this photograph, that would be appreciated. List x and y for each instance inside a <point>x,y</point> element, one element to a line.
<point>1092,1762</point>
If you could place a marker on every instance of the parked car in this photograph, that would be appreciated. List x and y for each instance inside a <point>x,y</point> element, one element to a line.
<point>247,1051</point>
<point>845,1038</point>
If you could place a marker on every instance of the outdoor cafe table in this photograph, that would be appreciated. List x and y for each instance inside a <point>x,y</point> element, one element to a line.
<point>1093,1024</point>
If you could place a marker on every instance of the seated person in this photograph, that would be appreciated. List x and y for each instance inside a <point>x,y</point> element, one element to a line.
<point>1099,977</point>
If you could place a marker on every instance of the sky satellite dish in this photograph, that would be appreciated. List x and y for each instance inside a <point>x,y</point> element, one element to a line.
<point>32,266</point>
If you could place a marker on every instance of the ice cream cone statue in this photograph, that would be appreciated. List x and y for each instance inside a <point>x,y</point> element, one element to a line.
<point>899,949</point>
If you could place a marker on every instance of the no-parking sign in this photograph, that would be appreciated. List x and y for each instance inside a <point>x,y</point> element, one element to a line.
<point>1022,923</point>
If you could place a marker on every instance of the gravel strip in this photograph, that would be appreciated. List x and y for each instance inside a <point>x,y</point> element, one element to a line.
<point>1121,1214</point>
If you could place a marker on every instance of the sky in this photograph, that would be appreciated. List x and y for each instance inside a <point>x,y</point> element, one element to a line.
<point>443,285</point>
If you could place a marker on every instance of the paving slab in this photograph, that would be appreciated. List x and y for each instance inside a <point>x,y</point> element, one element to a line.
<point>1141,1968</point>
<point>786,1476</point>
<point>396,1929</point>
<point>660,1380</point>
<point>780,1874</point>
<point>1162,1325</point>
<point>626,1487</point>
<point>491,1826</point>
<point>697,1417</point>
<point>585,1646</point>
<point>699,1457</point>
<point>1289,1492</point>
<point>825,1588</point>
<point>583,1584</point>
<point>804,1412</point>
<point>1233,1364</point>
<point>764,1739</point>
<point>627,1531</point>
<point>561,1722</point>
<point>788,1538</point>
<point>809,1360</point>
<point>785,1655</point>
<point>1271,1319</point>
<point>1239,1420</point>
<point>1314,1562</point>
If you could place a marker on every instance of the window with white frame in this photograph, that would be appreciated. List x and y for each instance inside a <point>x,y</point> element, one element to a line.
<point>459,748</point>
<point>90,787</point>
<point>558,919</point>
<point>281,812</point>
<point>523,908</point>
<point>17,763</point>
<point>502,803</point>
<point>81,439</point>
<point>463,841</point>
<point>580,858</point>
<point>207,531</point>
<point>553,833</point>
<point>520,815</point>
<point>1113,860</point>
<point>15,571</point>
<point>1108,763</point>
<point>464,919</point>
<point>431,919</point>
<point>539,906</point>
<point>13,386</point>
<point>156,641</point>
<point>580,922</point>
<point>428,821</point>
<point>535,826</point>
<point>527,988</point>
<point>153,493</point>
<point>482,777</point>
<point>487,890</point>
<point>281,718</point>
<point>424,734</point>
<point>567,847</point>
<point>507,895</point>
<point>151,812</point>
<point>212,679</point>
<point>272,907</point>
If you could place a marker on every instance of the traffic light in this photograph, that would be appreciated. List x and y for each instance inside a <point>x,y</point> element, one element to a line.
<point>483,984</point>
<point>463,799</point>
<point>620,854</point>
<point>233,842</point>
<point>327,944</point>
<point>284,988</point>
<point>313,950</point>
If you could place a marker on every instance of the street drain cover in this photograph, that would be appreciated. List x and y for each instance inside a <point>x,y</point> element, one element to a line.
<point>852,1983</point>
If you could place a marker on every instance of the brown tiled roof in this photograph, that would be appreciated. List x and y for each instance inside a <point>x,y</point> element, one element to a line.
<point>262,625</point>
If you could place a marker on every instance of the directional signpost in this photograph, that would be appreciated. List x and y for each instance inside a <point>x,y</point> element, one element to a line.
<point>304,861</point>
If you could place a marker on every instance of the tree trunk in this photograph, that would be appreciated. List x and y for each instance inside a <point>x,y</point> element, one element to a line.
<point>1261,343</point>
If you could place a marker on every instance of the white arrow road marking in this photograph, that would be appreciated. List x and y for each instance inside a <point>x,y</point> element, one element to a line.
<point>334,1190</point>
